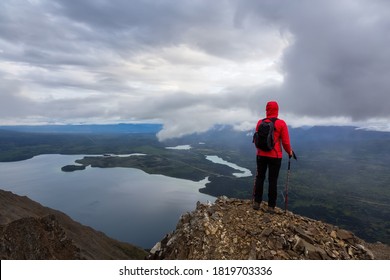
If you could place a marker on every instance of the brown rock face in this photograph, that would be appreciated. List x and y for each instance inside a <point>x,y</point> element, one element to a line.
<point>29,230</point>
<point>231,229</point>
<point>36,238</point>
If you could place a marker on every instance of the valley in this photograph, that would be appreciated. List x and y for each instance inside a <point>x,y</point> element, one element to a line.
<point>342,180</point>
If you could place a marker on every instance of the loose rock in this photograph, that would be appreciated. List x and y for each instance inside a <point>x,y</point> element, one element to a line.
<point>236,231</point>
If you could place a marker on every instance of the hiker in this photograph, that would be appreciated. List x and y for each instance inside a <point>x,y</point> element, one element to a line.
<point>271,159</point>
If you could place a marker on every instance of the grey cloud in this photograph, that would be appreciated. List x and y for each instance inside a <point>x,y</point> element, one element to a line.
<point>13,103</point>
<point>148,21</point>
<point>140,24</point>
<point>73,32</point>
<point>337,63</point>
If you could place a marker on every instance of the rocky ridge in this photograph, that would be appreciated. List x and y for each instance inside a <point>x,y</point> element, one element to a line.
<point>231,229</point>
<point>31,231</point>
<point>36,238</point>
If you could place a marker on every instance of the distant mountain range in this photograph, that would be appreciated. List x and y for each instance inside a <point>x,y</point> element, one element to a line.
<point>87,128</point>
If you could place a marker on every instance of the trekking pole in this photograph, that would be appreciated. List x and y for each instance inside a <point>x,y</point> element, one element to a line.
<point>287,181</point>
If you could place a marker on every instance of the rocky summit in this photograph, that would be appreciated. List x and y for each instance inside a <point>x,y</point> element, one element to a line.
<point>231,229</point>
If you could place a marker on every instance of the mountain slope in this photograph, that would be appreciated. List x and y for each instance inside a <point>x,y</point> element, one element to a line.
<point>29,230</point>
<point>231,229</point>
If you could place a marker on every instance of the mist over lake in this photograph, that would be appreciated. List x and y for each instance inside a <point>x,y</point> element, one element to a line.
<point>125,203</point>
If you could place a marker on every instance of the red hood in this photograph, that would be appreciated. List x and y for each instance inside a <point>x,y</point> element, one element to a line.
<point>272,109</point>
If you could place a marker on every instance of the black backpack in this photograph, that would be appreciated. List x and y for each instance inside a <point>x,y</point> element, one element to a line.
<point>264,135</point>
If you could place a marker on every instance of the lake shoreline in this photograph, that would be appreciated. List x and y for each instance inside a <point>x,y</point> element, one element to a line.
<point>104,198</point>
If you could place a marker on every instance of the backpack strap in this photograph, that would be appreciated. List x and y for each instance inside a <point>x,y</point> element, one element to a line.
<point>273,120</point>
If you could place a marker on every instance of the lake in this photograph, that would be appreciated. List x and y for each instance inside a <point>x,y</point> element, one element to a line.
<point>244,172</point>
<point>125,203</point>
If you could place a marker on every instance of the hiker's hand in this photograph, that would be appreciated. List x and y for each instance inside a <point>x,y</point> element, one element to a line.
<point>292,154</point>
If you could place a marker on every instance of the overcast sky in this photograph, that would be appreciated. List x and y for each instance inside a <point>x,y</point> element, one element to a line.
<point>191,64</point>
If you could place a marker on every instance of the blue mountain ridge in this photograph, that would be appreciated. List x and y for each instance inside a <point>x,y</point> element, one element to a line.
<point>87,128</point>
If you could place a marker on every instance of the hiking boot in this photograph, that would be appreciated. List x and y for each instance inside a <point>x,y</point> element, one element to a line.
<point>256,205</point>
<point>271,210</point>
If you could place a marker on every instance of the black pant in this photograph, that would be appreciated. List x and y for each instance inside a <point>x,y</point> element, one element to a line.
<point>273,166</point>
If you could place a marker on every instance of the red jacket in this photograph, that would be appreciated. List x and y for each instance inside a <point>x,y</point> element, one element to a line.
<point>281,135</point>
